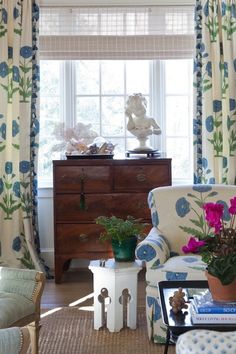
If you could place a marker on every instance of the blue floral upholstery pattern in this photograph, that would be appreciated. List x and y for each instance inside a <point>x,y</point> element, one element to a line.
<point>175,212</point>
<point>202,341</point>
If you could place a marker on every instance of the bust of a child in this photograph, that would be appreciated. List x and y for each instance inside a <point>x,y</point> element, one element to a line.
<point>139,124</point>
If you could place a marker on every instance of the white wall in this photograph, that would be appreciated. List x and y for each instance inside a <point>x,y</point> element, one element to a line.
<point>46,229</point>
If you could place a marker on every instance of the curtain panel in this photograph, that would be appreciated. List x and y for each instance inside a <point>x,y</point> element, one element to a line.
<point>19,128</point>
<point>215,83</point>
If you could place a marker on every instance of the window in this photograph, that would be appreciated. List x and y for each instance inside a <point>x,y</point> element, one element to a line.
<point>95,91</point>
<point>92,58</point>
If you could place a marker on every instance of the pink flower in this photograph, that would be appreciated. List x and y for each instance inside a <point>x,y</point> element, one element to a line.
<point>214,214</point>
<point>193,245</point>
<point>232,208</point>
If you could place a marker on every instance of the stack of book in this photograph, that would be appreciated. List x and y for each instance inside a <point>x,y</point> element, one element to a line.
<point>204,309</point>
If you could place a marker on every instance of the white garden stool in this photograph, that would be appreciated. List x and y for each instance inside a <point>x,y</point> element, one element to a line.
<point>110,281</point>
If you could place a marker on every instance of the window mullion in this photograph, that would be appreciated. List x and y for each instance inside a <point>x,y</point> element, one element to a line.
<point>100,96</point>
<point>157,105</point>
<point>69,94</point>
<point>73,100</point>
<point>125,99</point>
<point>162,105</point>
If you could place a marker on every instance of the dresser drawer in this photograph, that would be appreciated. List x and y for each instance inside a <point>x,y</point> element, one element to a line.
<point>67,207</point>
<point>95,178</point>
<point>80,239</point>
<point>140,177</point>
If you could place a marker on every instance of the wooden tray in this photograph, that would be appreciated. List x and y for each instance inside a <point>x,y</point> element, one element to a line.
<point>91,156</point>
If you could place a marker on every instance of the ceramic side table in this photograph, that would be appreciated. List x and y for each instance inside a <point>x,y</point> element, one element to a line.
<point>110,280</point>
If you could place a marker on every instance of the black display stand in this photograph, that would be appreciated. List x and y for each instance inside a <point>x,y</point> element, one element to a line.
<point>149,153</point>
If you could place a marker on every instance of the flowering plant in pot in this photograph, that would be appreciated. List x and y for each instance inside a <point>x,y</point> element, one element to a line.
<point>216,242</point>
<point>123,233</point>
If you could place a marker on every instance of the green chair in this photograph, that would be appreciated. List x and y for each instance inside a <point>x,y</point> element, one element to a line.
<point>20,296</point>
<point>14,340</point>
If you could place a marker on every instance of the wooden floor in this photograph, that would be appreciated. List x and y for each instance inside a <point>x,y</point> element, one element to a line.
<point>77,285</point>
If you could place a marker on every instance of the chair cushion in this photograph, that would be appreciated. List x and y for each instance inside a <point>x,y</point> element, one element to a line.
<point>205,342</point>
<point>18,281</point>
<point>14,307</point>
<point>10,340</point>
<point>177,268</point>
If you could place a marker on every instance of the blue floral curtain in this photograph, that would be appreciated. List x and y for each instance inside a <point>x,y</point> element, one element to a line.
<point>19,129</point>
<point>215,83</point>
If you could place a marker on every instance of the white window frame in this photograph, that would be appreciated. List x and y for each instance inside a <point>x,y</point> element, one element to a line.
<point>157,94</point>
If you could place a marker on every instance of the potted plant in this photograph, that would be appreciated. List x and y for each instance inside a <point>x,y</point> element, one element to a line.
<point>216,243</point>
<point>123,233</point>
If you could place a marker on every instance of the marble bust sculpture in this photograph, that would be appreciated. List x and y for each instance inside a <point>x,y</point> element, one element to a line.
<point>139,124</point>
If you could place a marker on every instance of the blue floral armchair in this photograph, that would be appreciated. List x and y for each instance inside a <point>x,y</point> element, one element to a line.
<point>174,211</point>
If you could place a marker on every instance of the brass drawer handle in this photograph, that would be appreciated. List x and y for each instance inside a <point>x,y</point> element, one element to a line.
<point>83,237</point>
<point>141,205</point>
<point>141,177</point>
<point>83,177</point>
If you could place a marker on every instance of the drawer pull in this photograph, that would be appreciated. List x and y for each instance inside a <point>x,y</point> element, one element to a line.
<point>82,178</point>
<point>82,201</point>
<point>83,237</point>
<point>141,205</point>
<point>141,177</point>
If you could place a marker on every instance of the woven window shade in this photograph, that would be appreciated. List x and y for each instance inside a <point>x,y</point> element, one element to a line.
<point>154,32</point>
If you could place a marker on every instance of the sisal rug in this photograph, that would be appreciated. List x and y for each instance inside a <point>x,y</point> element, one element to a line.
<point>70,331</point>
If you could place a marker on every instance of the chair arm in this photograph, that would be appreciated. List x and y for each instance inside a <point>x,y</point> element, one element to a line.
<point>25,340</point>
<point>29,283</point>
<point>154,249</point>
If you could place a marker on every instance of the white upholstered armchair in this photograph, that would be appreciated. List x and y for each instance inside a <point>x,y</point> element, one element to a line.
<point>172,209</point>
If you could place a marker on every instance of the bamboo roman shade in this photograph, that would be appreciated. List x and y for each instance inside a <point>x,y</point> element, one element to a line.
<point>128,32</point>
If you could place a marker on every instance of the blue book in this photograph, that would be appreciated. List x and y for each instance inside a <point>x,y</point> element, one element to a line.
<point>205,304</point>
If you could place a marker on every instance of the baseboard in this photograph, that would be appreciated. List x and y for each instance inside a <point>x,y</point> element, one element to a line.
<point>48,256</point>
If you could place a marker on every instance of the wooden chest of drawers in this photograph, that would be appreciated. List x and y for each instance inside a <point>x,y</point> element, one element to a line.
<point>87,188</point>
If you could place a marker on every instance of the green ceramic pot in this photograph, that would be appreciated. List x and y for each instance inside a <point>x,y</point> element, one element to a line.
<point>124,251</point>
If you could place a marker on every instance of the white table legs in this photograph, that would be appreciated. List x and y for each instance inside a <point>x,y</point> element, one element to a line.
<point>110,284</point>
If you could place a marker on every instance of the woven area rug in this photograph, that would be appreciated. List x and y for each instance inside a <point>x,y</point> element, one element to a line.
<point>70,331</point>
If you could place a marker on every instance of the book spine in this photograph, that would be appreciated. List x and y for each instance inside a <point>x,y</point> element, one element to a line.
<point>219,320</point>
<point>204,308</point>
<point>212,318</point>
<point>216,310</point>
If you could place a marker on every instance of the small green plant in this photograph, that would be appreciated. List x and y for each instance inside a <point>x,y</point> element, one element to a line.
<point>120,229</point>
